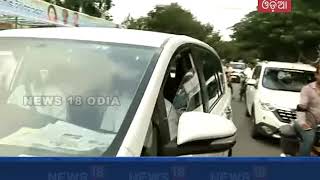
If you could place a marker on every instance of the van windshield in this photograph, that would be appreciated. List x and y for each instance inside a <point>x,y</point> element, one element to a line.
<point>286,79</point>
<point>66,98</point>
<point>238,66</point>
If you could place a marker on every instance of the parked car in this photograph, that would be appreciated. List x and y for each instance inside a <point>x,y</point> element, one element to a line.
<point>113,92</point>
<point>273,94</point>
<point>238,69</point>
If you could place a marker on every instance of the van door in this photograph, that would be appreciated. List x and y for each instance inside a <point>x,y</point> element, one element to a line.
<point>251,90</point>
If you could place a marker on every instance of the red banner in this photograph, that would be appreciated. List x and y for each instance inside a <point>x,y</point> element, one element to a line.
<point>274,6</point>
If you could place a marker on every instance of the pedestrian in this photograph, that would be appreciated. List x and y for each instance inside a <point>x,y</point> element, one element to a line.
<point>247,75</point>
<point>306,123</point>
<point>228,72</point>
<point>248,71</point>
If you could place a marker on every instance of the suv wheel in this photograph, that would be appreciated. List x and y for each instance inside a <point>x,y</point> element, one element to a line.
<point>254,132</point>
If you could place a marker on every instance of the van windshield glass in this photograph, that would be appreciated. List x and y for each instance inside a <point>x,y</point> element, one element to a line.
<point>286,79</point>
<point>66,98</point>
<point>238,66</point>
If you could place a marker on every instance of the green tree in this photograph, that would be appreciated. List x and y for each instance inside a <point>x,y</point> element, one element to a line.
<point>140,23</point>
<point>175,20</point>
<point>227,50</point>
<point>283,37</point>
<point>231,51</point>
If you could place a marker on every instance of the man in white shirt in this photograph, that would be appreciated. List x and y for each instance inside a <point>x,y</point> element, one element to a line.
<point>248,74</point>
<point>228,71</point>
<point>248,71</point>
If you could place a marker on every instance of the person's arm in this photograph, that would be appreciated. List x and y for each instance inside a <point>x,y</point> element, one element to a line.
<point>303,104</point>
<point>304,97</point>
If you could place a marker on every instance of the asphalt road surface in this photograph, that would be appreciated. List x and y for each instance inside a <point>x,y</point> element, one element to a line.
<point>246,146</point>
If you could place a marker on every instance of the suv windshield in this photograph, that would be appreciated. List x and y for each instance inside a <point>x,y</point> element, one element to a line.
<point>286,79</point>
<point>238,66</point>
<point>66,98</point>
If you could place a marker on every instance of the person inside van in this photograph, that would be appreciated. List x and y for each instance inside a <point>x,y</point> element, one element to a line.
<point>38,93</point>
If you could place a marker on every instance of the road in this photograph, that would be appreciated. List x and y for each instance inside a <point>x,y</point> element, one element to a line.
<point>246,145</point>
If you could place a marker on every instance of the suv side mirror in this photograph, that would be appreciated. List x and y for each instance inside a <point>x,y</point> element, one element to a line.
<point>252,82</point>
<point>202,133</point>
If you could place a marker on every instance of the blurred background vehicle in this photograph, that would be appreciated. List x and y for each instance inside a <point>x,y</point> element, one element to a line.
<point>238,68</point>
<point>273,93</point>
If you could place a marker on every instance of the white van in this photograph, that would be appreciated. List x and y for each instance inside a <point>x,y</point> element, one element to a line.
<point>126,93</point>
<point>273,93</point>
<point>238,69</point>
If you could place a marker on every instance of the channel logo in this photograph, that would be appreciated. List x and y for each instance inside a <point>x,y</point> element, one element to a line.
<point>274,6</point>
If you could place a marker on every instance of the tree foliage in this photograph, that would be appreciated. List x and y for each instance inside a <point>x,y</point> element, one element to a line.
<point>283,37</point>
<point>175,20</point>
<point>231,51</point>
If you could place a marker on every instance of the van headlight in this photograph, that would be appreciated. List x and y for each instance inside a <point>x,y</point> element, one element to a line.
<point>267,106</point>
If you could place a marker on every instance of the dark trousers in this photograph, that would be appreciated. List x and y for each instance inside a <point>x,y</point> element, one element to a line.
<point>230,86</point>
<point>307,140</point>
<point>242,91</point>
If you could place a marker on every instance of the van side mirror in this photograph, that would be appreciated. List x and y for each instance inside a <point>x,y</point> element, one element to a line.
<point>202,133</point>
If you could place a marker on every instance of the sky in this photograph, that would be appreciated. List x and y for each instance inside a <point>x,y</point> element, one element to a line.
<point>222,14</point>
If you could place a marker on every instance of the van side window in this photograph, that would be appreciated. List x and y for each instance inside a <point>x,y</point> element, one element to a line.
<point>222,81</point>
<point>181,90</point>
<point>213,74</point>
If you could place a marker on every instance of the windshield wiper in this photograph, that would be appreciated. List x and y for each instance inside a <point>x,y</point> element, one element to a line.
<point>282,89</point>
<point>105,131</point>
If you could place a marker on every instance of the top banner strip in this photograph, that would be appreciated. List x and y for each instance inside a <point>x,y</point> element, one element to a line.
<point>38,10</point>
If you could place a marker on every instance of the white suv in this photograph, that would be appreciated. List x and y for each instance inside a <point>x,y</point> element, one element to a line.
<point>238,69</point>
<point>273,93</point>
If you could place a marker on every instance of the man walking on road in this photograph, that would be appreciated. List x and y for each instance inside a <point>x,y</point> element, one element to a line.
<point>247,75</point>
<point>306,125</point>
<point>228,71</point>
<point>248,71</point>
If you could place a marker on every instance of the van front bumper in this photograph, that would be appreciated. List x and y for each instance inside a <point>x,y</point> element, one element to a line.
<point>268,122</point>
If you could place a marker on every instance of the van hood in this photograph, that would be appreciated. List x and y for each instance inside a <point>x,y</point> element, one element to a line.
<point>280,99</point>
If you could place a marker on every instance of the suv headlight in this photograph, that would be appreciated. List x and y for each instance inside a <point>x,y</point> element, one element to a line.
<point>267,106</point>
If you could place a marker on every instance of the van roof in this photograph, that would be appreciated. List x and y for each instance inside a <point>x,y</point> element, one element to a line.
<point>297,66</point>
